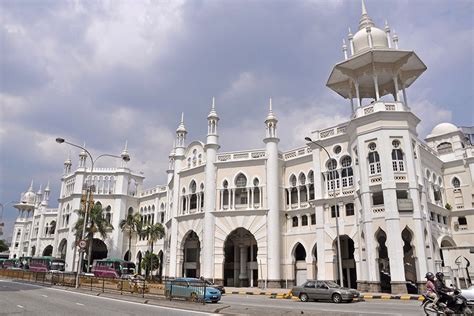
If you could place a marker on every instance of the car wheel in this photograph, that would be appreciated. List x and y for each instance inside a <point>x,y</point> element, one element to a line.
<point>304,297</point>
<point>336,298</point>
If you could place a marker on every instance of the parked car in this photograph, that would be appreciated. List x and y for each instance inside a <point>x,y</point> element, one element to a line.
<point>219,287</point>
<point>192,289</point>
<point>324,290</point>
<point>469,295</point>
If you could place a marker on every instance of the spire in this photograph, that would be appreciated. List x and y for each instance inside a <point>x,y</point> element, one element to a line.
<point>31,187</point>
<point>181,127</point>
<point>344,48</point>
<point>125,155</point>
<point>47,189</point>
<point>271,116</point>
<point>365,20</point>
<point>181,133</point>
<point>213,113</point>
<point>271,121</point>
<point>387,32</point>
<point>40,191</point>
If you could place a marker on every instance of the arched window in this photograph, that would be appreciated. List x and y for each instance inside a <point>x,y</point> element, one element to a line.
<point>397,160</point>
<point>302,188</point>
<point>293,180</point>
<point>311,184</point>
<point>183,201</point>
<point>225,195</point>
<point>346,173</point>
<point>256,192</point>
<point>456,183</point>
<point>200,159</point>
<point>374,163</point>
<point>445,148</point>
<point>349,209</point>
<point>108,214</point>
<point>295,221</point>
<point>241,192</point>
<point>304,220</point>
<point>193,198</point>
<point>194,157</point>
<point>293,190</point>
<point>201,187</point>
<point>332,175</point>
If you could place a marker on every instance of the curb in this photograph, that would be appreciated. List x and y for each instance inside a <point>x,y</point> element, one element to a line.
<point>361,298</point>
<point>394,297</point>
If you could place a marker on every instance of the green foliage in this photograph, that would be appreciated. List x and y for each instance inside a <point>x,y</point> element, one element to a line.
<point>131,224</point>
<point>154,233</point>
<point>150,262</point>
<point>448,206</point>
<point>3,246</point>
<point>96,223</point>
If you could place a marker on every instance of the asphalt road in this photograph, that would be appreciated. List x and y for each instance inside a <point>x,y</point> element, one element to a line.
<point>29,299</point>
<point>26,299</point>
<point>262,305</point>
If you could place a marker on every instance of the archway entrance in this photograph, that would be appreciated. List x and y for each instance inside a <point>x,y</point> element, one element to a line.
<point>384,263</point>
<point>299,257</point>
<point>99,251</point>
<point>191,255</point>
<point>126,257</point>
<point>160,268</point>
<point>349,274</point>
<point>33,251</point>
<point>444,243</point>
<point>409,261</point>
<point>240,259</point>
<point>62,249</point>
<point>48,251</point>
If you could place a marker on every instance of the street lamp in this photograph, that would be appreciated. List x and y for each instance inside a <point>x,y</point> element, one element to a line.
<point>125,157</point>
<point>336,209</point>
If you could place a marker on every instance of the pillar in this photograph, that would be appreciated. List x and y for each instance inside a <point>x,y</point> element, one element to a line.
<point>376,85</point>
<point>356,84</point>
<point>395,82</point>
<point>243,277</point>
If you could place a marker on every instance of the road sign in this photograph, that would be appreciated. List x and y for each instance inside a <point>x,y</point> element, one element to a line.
<point>82,244</point>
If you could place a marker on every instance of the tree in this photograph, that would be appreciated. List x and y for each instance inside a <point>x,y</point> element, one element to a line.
<point>131,224</point>
<point>3,246</point>
<point>96,224</point>
<point>154,233</point>
<point>150,262</point>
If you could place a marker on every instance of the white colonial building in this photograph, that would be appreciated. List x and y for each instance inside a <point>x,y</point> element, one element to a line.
<point>267,216</point>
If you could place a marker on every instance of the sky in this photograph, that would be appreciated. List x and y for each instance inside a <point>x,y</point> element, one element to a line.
<point>107,72</point>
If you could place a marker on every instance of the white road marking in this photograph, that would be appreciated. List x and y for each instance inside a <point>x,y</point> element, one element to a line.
<point>111,299</point>
<point>80,304</point>
<point>44,295</point>
<point>20,306</point>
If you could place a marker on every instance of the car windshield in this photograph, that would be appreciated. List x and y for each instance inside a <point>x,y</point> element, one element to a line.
<point>332,284</point>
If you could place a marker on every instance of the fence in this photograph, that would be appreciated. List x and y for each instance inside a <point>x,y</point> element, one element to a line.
<point>133,286</point>
<point>194,290</point>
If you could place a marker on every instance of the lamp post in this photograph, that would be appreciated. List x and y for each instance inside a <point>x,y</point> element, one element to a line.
<point>124,157</point>
<point>336,209</point>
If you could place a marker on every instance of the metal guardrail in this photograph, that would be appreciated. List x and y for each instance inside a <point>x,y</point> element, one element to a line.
<point>185,289</point>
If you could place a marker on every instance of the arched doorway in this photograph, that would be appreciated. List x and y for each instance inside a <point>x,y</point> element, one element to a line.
<point>48,251</point>
<point>384,263</point>
<point>349,274</point>
<point>240,259</point>
<point>445,242</point>
<point>139,262</point>
<point>62,248</point>
<point>299,258</point>
<point>33,251</point>
<point>98,251</point>
<point>160,267</point>
<point>126,257</point>
<point>409,261</point>
<point>191,254</point>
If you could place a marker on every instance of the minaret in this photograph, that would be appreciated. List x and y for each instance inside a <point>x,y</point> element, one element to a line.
<point>125,155</point>
<point>170,170</point>
<point>82,157</point>
<point>47,191</point>
<point>211,148</point>
<point>273,222</point>
<point>179,157</point>
<point>39,195</point>
<point>67,164</point>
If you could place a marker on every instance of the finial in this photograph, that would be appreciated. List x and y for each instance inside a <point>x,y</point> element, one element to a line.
<point>344,48</point>
<point>182,117</point>
<point>40,189</point>
<point>350,35</point>
<point>395,39</point>
<point>387,28</point>
<point>47,187</point>
<point>126,145</point>
<point>364,10</point>
<point>270,105</point>
<point>31,186</point>
<point>213,103</point>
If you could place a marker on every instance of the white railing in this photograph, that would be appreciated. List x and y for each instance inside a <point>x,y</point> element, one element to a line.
<point>380,106</point>
<point>243,155</point>
<point>333,131</point>
<point>298,152</point>
<point>157,189</point>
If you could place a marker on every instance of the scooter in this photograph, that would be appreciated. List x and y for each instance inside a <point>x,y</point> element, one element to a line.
<point>458,306</point>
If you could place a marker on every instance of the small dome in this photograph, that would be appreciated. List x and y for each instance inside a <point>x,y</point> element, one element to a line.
<point>443,128</point>
<point>361,41</point>
<point>29,198</point>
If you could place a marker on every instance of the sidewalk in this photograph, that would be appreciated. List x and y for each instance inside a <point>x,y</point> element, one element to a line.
<point>285,294</point>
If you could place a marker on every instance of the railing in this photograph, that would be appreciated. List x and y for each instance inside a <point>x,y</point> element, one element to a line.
<point>157,189</point>
<point>297,153</point>
<point>333,131</point>
<point>257,154</point>
<point>380,106</point>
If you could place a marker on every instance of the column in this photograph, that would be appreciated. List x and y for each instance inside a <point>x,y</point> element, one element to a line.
<point>404,94</point>
<point>376,85</point>
<point>243,265</point>
<point>289,198</point>
<point>395,82</point>
<point>299,197</point>
<point>356,84</point>
<point>236,265</point>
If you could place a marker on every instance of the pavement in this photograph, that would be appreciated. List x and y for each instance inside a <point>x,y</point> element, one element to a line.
<point>31,299</point>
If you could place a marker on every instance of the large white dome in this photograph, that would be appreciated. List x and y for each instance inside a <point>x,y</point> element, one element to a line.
<point>443,128</point>
<point>361,41</point>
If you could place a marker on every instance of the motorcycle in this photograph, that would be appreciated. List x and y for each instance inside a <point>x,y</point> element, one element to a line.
<point>458,306</point>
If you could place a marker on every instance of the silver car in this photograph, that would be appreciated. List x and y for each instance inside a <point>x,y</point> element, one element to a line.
<point>324,290</point>
<point>469,295</point>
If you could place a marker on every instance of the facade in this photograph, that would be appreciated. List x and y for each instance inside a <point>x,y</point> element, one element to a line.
<point>268,217</point>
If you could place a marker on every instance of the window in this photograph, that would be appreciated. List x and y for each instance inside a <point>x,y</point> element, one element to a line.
<point>346,173</point>
<point>462,220</point>
<point>374,163</point>
<point>337,149</point>
<point>256,191</point>
<point>303,191</point>
<point>225,195</point>
<point>313,219</point>
<point>241,193</point>
<point>333,175</point>
<point>335,210</point>
<point>350,209</point>
<point>295,221</point>
<point>377,198</point>
<point>241,181</point>
<point>293,180</point>
<point>397,160</point>
<point>304,220</point>
<point>456,183</point>
<point>445,220</point>
<point>311,184</point>
<point>445,148</point>
<point>162,217</point>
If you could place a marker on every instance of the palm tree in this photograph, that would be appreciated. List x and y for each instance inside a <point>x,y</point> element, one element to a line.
<point>154,233</point>
<point>131,224</point>
<point>96,224</point>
